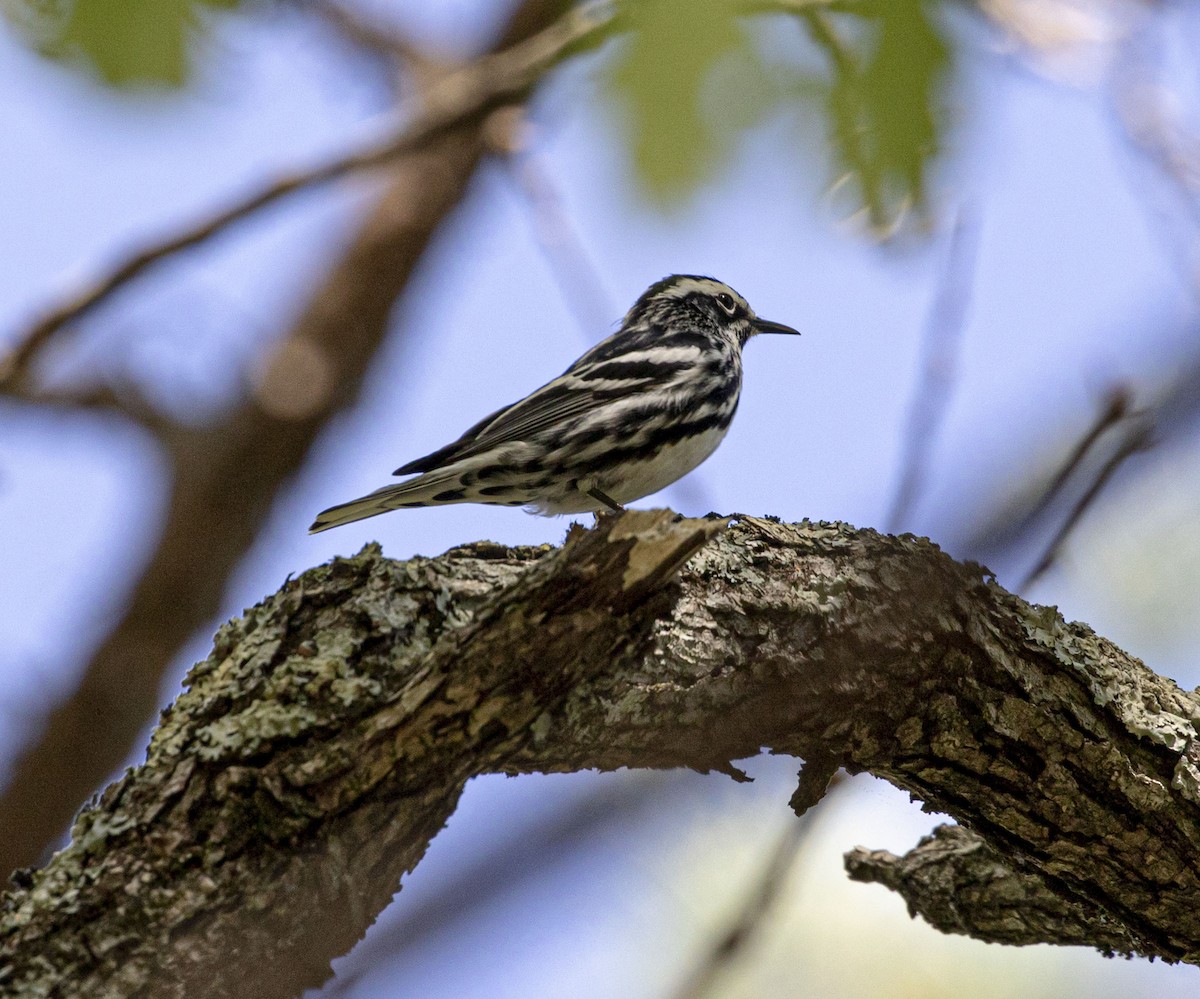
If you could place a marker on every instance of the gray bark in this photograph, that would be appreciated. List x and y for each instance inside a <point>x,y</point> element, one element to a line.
<point>327,737</point>
<point>959,884</point>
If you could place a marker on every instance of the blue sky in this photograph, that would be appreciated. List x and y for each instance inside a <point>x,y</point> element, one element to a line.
<point>1075,289</point>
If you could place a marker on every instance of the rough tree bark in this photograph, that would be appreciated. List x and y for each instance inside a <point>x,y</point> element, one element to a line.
<point>328,736</point>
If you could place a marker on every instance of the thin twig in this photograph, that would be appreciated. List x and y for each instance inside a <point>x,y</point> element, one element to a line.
<point>745,926</point>
<point>505,866</point>
<point>124,400</point>
<point>458,98</point>
<point>1115,410</point>
<point>1173,413</point>
<point>943,336</point>
<point>365,32</point>
<point>1004,531</point>
<point>1138,439</point>
<point>562,247</point>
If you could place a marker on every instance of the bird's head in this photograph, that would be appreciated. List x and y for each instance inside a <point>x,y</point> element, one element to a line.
<point>705,303</point>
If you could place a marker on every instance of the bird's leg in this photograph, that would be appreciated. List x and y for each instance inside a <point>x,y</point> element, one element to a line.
<point>608,501</point>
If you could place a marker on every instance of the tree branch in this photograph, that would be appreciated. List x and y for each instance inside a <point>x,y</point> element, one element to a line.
<point>455,100</point>
<point>747,923</point>
<point>226,477</point>
<point>940,349</point>
<point>327,737</point>
<point>959,884</point>
<point>1138,438</point>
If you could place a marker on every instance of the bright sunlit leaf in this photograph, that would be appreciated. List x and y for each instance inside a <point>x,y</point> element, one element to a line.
<point>884,98</point>
<point>691,80</point>
<point>124,42</point>
<point>688,78</point>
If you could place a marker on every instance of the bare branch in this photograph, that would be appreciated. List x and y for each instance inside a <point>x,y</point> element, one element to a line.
<point>226,477</point>
<point>1137,438</point>
<point>759,903</point>
<point>744,927</point>
<point>943,336</point>
<point>562,247</point>
<point>453,100</point>
<point>1020,521</point>
<point>1116,408</point>
<point>123,399</point>
<point>458,99</point>
<point>327,737</point>
<point>366,32</point>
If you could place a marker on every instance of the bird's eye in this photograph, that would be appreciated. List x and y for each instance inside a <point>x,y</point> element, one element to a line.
<point>727,303</point>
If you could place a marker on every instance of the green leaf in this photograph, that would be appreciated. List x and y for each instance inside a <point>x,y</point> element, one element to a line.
<point>884,100</point>
<point>124,42</point>
<point>689,79</point>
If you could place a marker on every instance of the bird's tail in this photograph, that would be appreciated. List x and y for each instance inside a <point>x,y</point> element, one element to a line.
<point>424,490</point>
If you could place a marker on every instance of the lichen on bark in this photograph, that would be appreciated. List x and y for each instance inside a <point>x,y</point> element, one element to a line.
<point>325,740</point>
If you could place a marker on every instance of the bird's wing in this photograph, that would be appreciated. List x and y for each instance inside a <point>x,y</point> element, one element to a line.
<point>578,390</point>
<point>445,455</point>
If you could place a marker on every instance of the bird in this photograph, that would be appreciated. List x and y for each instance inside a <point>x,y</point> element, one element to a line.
<point>639,410</point>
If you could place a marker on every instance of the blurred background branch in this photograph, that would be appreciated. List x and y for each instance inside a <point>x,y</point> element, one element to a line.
<point>313,371</point>
<point>169,422</point>
<point>940,347</point>
<point>741,931</point>
<point>454,101</point>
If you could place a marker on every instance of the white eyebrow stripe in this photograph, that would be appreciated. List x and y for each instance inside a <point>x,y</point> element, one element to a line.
<point>703,286</point>
<point>688,286</point>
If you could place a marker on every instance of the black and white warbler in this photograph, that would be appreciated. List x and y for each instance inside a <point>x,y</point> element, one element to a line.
<point>636,412</point>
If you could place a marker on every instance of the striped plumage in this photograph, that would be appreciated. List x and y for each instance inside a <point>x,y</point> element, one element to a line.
<point>636,412</point>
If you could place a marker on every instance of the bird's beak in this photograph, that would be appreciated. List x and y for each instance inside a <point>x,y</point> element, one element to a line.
<point>766,326</point>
